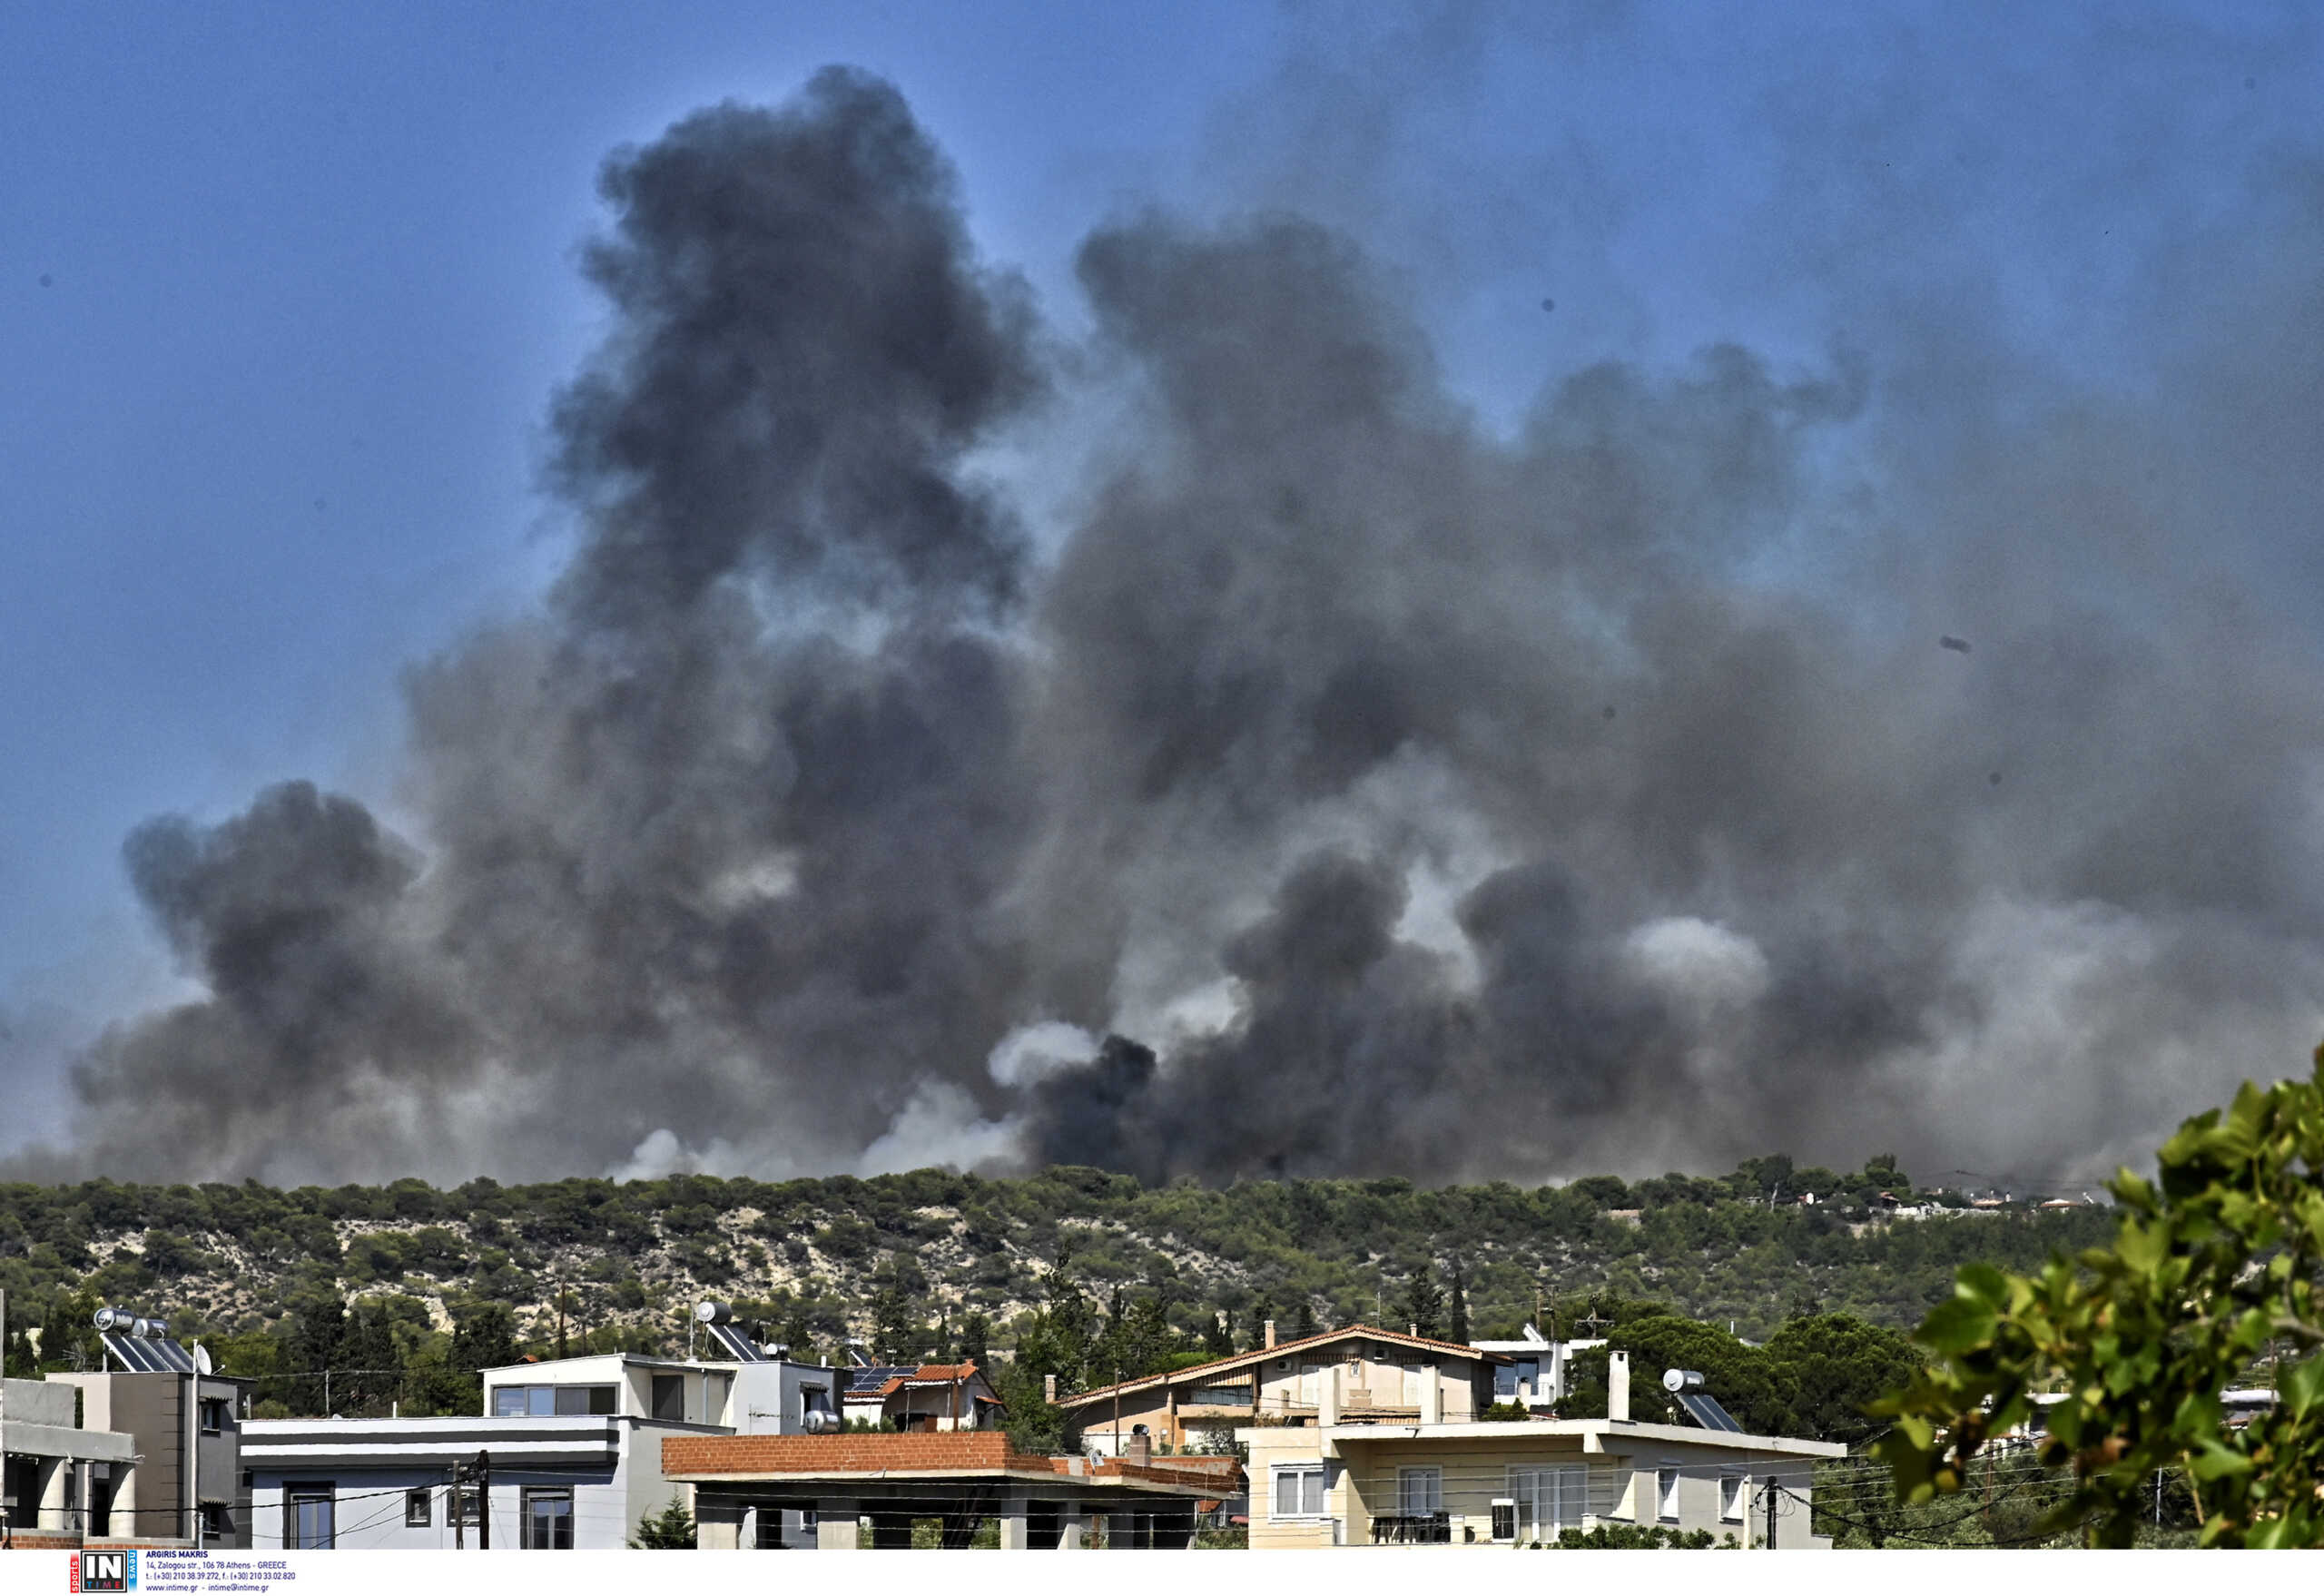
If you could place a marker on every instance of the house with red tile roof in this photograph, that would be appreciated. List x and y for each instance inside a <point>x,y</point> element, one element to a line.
<point>1368,1374</point>
<point>940,1397</point>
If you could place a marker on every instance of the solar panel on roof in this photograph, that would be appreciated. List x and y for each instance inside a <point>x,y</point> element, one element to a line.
<point>736,1344</point>
<point>148,1356</point>
<point>1704,1408</point>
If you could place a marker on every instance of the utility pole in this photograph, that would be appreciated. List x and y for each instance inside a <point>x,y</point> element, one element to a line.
<point>458,1505</point>
<point>484,1501</point>
<point>1771,1512</point>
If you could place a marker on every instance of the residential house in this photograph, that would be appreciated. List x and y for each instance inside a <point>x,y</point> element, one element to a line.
<point>565,1454</point>
<point>1351,1479</point>
<point>1534,1375</point>
<point>52,1469</point>
<point>749,1491</point>
<point>864,1399</point>
<point>940,1397</point>
<point>185,1432</point>
<point>1369,1375</point>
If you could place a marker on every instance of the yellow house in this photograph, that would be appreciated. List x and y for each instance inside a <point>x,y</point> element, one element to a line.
<point>1358,1375</point>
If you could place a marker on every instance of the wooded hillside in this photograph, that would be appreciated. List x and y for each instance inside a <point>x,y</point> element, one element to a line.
<point>356,1278</point>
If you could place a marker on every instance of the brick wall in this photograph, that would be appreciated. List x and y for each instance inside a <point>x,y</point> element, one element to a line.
<point>841,1455</point>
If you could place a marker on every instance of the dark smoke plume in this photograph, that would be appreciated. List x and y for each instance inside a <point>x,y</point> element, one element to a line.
<point>1396,796</point>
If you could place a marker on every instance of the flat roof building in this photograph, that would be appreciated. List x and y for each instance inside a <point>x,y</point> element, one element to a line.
<point>954,1482</point>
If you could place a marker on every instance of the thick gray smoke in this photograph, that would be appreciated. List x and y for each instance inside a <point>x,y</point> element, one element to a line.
<point>1396,796</point>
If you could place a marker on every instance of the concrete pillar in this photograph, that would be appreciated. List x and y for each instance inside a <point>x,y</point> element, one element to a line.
<point>717,1523</point>
<point>1013,1524</point>
<point>1618,1385</point>
<point>1073,1534</point>
<point>835,1524</point>
<point>125,1521</point>
<point>54,1474</point>
<point>1432,1394</point>
<point>1327,1397</point>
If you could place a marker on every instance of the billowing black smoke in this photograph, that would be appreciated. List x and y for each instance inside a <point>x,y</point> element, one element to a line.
<point>1427,801</point>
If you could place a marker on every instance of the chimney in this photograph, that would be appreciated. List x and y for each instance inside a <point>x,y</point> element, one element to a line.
<point>1413,1330</point>
<point>1140,1448</point>
<point>1048,1389</point>
<point>1618,1386</point>
<point>1270,1332</point>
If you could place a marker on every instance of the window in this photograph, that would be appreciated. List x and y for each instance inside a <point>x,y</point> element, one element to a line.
<point>549,1518</point>
<point>1504,1382</point>
<point>308,1522</point>
<point>541,1402</point>
<point>1666,1493</point>
<point>1528,1375</point>
<point>1550,1500</point>
<point>1732,1494</point>
<point>216,1524</point>
<point>815,1399</point>
<point>416,1513</point>
<point>1298,1490</point>
<point>1219,1396</point>
<point>670,1397</point>
<point>213,1415</point>
<point>1420,1492</point>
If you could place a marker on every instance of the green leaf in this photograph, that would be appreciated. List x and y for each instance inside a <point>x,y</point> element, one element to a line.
<point>2302,1385</point>
<point>1958,1325</point>
<point>1982,1283</point>
<point>2213,1462</point>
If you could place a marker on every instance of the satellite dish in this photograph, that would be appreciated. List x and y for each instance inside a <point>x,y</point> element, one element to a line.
<point>1681,1380</point>
<point>108,1317</point>
<point>710,1311</point>
<point>201,1364</point>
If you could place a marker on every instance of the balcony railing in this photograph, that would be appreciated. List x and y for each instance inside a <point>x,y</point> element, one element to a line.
<point>1411,1529</point>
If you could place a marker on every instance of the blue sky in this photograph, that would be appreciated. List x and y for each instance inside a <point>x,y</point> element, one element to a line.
<point>284,290</point>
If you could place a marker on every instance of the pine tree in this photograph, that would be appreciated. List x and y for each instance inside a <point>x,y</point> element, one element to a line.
<point>1423,1302</point>
<point>670,1530</point>
<point>1456,1308</point>
<point>1303,1324</point>
<point>896,1338</point>
<point>976,1339</point>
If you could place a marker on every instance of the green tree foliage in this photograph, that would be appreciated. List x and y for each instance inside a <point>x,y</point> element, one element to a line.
<point>1636,1538</point>
<point>1835,1367</point>
<point>242,1264</point>
<point>1815,1378</point>
<point>670,1530</point>
<point>1422,1305</point>
<point>2212,1269</point>
<point>1457,1307</point>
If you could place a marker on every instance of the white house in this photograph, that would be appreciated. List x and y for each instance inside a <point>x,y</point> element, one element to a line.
<point>570,1450</point>
<point>1348,1477</point>
<point>1535,1375</point>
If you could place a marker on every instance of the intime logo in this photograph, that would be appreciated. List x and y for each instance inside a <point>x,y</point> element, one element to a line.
<point>104,1571</point>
